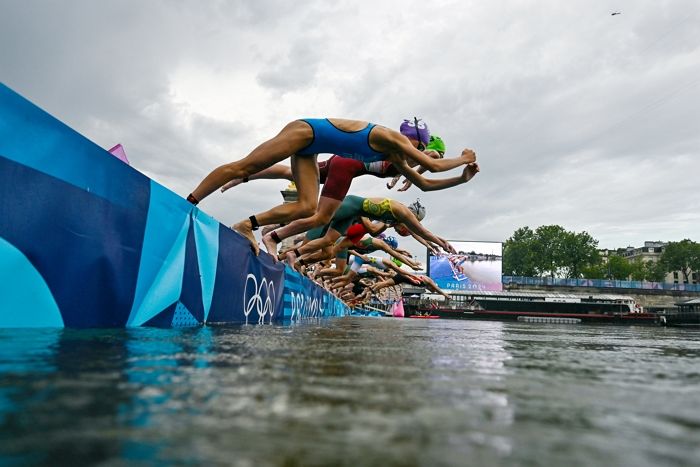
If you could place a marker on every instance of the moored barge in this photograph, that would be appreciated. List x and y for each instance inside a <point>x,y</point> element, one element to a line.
<point>543,308</point>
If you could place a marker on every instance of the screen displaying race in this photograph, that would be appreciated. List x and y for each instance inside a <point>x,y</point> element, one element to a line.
<point>475,267</point>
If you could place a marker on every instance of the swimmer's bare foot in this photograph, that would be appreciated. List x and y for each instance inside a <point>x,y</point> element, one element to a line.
<point>231,184</point>
<point>245,228</point>
<point>289,257</point>
<point>298,266</point>
<point>284,254</point>
<point>270,246</point>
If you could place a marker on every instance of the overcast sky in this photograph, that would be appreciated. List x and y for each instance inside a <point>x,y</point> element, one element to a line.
<point>578,117</point>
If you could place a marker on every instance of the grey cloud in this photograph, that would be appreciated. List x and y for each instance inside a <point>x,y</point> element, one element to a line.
<point>292,70</point>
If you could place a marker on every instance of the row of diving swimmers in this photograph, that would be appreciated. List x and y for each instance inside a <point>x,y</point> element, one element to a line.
<point>362,276</point>
<point>360,148</point>
<point>332,242</point>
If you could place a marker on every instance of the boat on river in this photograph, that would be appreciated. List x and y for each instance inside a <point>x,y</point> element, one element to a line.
<point>542,307</point>
<point>687,315</point>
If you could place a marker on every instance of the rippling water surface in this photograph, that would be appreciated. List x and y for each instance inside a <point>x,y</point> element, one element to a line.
<point>352,391</point>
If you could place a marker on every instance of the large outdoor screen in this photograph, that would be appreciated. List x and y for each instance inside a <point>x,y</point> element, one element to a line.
<point>475,267</point>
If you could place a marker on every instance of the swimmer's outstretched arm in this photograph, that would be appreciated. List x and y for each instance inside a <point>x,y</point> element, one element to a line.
<point>382,245</point>
<point>406,182</point>
<point>378,272</point>
<point>364,258</point>
<point>420,169</point>
<point>377,286</point>
<point>407,152</point>
<point>427,184</point>
<point>405,216</point>
<point>389,265</point>
<point>404,252</point>
<point>433,249</point>
<point>431,284</point>
<point>373,228</point>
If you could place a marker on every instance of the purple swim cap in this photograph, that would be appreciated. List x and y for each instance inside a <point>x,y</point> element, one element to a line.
<point>415,128</point>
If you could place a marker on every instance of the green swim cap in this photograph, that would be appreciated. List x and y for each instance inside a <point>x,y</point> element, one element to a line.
<point>396,262</point>
<point>436,144</point>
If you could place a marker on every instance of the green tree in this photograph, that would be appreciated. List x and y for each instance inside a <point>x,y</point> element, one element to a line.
<point>639,270</point>
<point>595,271</point>
<point>548,249</point>
<point>518,257</point>
<point>578,251</point>
<point>619,268</point>
<point>647,271</point>
<point>683,256</point>
<point>655,271</point>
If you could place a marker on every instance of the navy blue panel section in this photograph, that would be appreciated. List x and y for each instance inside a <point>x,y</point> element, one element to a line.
<point>234,256</point>
<point>191,295</point>
<point>264,267</point>
<point>235,263</point>
<point>163,319</point>
<point>86,248</point>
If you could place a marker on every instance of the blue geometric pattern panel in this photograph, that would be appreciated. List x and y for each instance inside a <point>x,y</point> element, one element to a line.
<point>88,241</point>
<point>304,299</point>
<point>182,318</point>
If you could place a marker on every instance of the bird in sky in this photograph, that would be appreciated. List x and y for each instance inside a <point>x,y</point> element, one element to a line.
<point>616,13</point>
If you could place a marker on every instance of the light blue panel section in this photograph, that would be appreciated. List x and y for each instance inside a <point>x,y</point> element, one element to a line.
<point>167,285</point>
<point>164,224</point>
<point>206,236</point>
<point>183,318</point>
<point>25,299</point>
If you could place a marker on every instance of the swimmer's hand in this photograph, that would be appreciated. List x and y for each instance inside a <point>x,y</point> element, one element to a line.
<point>469,171</point>
<point>433,249</point>
<point>468,156</point>
<point>406,185</point>
<point>392,183</point>
<point>446,246</point>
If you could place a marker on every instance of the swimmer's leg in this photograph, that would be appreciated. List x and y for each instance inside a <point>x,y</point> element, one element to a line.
<point>293,137</point>
<point>339,176</point>
<point>323,215</point>
<point>277,171</point>
<point>305,174</point>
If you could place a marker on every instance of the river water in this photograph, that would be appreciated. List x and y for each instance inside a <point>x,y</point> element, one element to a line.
<point>352,391</point>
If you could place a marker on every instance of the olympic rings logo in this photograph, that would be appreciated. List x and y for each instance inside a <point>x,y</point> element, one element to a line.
<point>261,299</point>
<point>304,306</point>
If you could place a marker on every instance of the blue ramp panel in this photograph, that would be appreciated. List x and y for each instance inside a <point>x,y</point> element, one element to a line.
<point>87,241</point>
